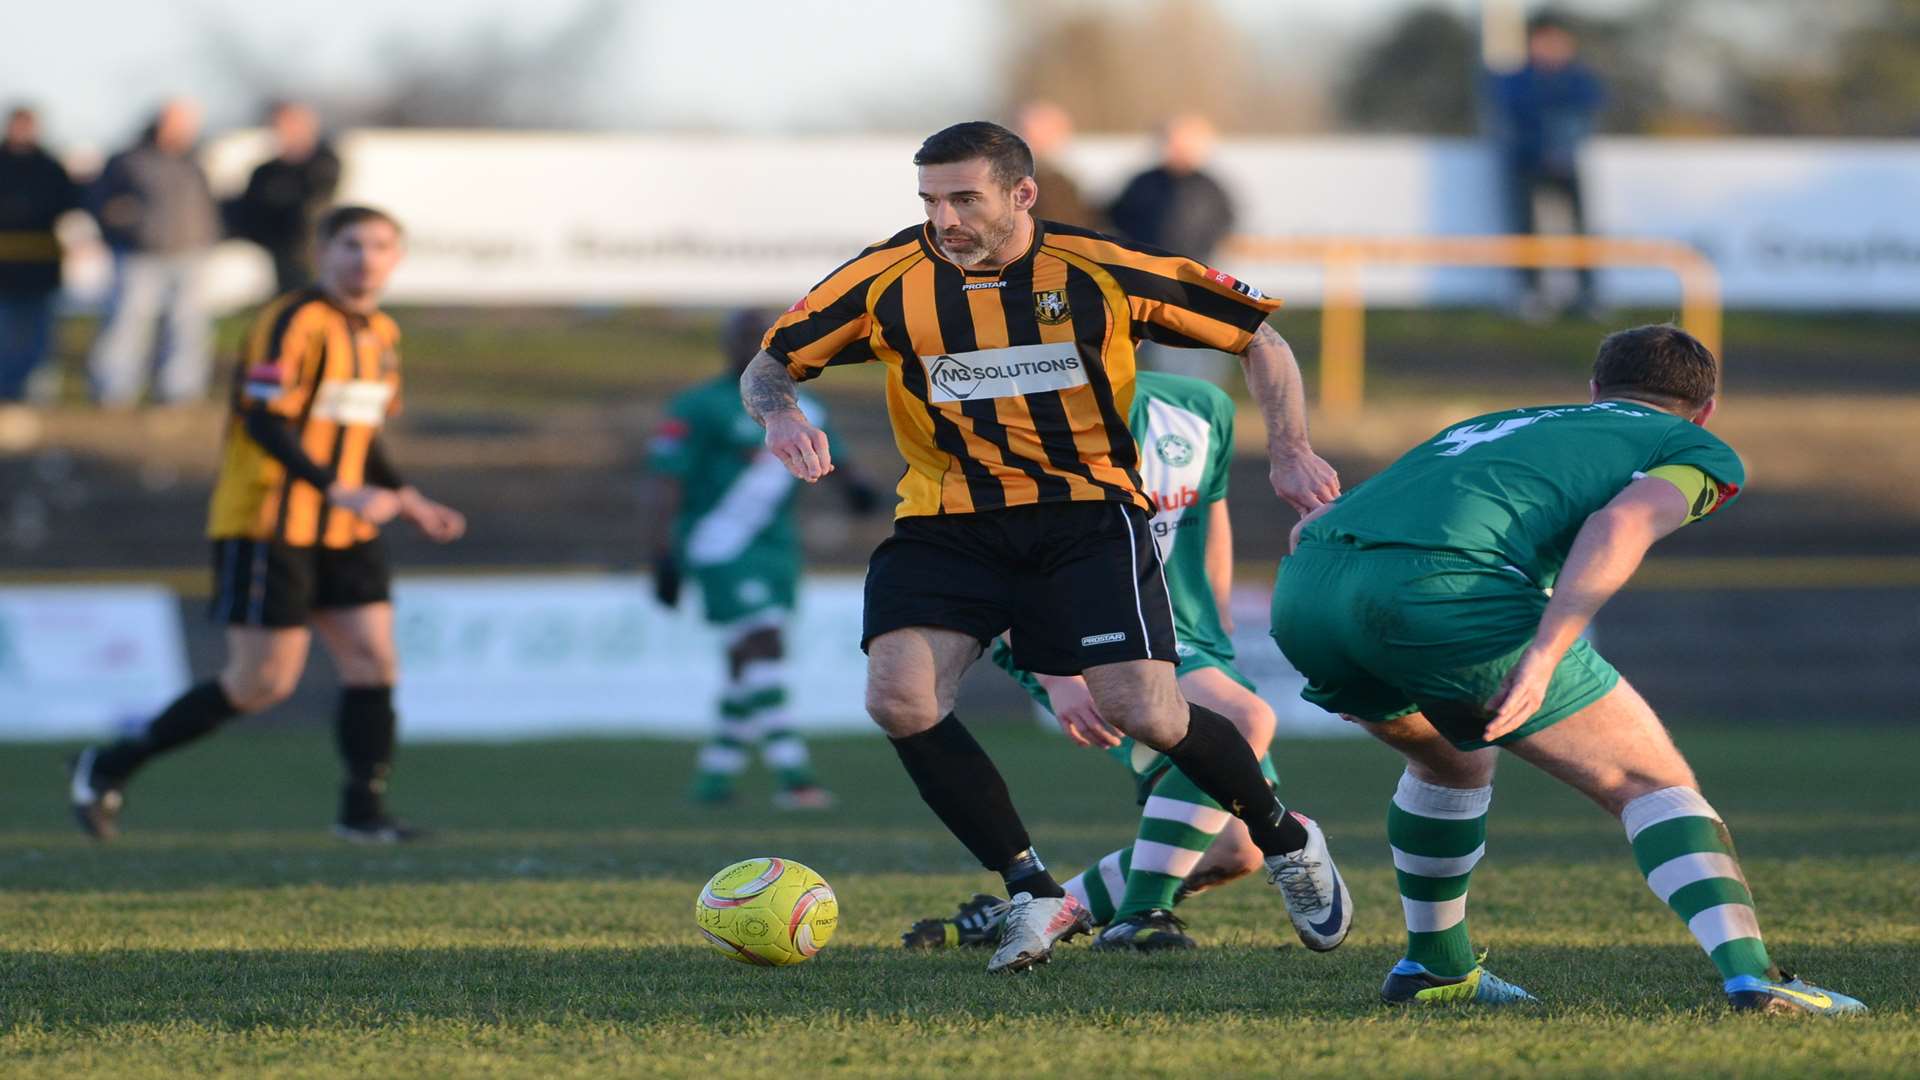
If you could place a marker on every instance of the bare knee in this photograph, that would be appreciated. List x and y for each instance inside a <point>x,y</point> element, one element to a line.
<point>1255,720</point>
<point>368,663</point>
<point>1430,757</point>
<point>253,688</point>
<point>1613,787</point>
<point>901,710</point>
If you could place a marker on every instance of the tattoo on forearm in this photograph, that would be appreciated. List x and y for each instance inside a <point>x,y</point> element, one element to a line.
<point>1273,378</point>
<point>766,388</point>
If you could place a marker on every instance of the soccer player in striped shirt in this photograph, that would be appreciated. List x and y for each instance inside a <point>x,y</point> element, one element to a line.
<point>1009,347</point>
<point>304,486</point>
<point>1186,842</point>
<point>1440,605</point>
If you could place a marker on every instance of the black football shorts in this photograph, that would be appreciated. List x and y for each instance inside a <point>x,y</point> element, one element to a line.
<point>270,584</point>
<point>1079,584</point>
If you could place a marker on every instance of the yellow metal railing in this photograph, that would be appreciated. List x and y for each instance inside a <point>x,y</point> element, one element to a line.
<point>1344,258</point>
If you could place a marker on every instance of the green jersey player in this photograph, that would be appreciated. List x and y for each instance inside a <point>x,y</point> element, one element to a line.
<point>732,530</point>
<point>1186,841</point>
<point>1441,605</point>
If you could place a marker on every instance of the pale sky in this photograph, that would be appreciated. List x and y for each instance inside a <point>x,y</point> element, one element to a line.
<point>96,67</point>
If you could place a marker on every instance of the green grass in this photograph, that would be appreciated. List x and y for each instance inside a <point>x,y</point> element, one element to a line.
<point>547,929</point>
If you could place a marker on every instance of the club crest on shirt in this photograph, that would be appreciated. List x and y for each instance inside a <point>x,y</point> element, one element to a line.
<point>1174,450</point>
<point>1050,307</point>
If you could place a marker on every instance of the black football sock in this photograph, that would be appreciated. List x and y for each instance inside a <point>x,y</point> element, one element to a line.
<point>192,715</point>
<point>363,731</point>
<point>1027,874</point>
<point>1216,757</point>
<point>960,784</point>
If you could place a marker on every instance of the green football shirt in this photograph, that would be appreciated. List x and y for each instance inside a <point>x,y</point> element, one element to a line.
<point>1513,488</point>
<point>1185,430</point>
<point>736,498</point>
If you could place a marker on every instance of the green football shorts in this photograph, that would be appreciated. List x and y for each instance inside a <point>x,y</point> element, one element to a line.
<point>1380,632</point>
<point>733,591</point>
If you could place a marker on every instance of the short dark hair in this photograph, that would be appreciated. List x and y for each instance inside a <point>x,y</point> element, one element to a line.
<point>1006,153</point>
<point>340,218</point>
<point>1550,19</point>
<point>1661,364</point>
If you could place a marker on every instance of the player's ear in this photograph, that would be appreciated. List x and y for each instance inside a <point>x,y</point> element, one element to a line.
<point>1593,391</point>
<point>1026,192</point>
<point>1706,411</point>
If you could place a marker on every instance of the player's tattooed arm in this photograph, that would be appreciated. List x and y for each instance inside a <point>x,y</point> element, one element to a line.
<point>767,390</point>
<point>1298,474</point>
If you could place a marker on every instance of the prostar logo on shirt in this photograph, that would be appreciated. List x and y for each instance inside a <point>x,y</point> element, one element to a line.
<point>1010,372</point>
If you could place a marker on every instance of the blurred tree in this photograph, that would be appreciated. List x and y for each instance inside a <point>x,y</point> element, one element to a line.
<point>1419,76</point>
<point>1124,69</point>
<point>489,78</point>
<point>1869,84</point>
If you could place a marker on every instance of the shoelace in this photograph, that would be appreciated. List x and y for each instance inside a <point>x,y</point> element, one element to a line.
<point>1296,881</point>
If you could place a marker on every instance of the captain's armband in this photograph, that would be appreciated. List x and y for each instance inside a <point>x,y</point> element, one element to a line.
<point>1703,493</point>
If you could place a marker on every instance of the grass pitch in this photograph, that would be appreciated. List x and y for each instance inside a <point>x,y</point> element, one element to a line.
<point>547,929</point>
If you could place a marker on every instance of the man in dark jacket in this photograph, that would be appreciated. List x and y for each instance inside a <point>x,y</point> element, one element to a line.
<point>158,216</point>
<point>1539,116</point>
<point>1177,205</point>
<point>34,191</point>
<point>285,194</point>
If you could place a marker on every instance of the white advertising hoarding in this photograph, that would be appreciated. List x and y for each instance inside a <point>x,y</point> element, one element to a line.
<point>671,219</point>
<point>512,657</point>
<point>83,661</point>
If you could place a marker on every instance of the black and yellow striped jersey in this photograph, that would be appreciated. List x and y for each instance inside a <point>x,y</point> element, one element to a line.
<point>335,376</point>
<point>1010,386</point>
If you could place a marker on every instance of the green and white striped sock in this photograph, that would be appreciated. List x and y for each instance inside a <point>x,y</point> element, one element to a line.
<point>764,683</point>
<point>726,755</point>
<point>1177,825</point>
<point>1101,885</point>
<point>1438,834</point>
<point>1686,853</point>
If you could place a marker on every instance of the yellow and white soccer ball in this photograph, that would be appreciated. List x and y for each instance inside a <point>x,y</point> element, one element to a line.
<point>767,912</point>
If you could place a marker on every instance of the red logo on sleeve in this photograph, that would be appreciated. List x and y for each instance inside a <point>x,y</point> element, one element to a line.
<point>798,305</point>
<point>265,373</point>
<point>1221,277</point>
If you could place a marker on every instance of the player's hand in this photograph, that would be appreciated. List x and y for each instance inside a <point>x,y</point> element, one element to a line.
<point>1303,479</point>
<point>1521,693</point>
<point>1293,535</point>
<point>377,505</point>
<point>666,579</point>
<point>1073,707</point>
<point>800,446</point>
<point>439,523</point>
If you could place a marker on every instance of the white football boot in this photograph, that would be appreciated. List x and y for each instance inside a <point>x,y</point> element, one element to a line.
<point>1316,897</point>
<point>1033,926</point>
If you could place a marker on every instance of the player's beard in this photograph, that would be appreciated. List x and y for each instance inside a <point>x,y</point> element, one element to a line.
<point>987,239</point>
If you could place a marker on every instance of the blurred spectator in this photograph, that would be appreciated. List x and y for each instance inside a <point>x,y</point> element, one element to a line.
<point>1540,115</point>
<point>34,191</point>
<point>158,216</point>
<point>286,193</point>
<point>1176,205</point>
<point>1047,127</point>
